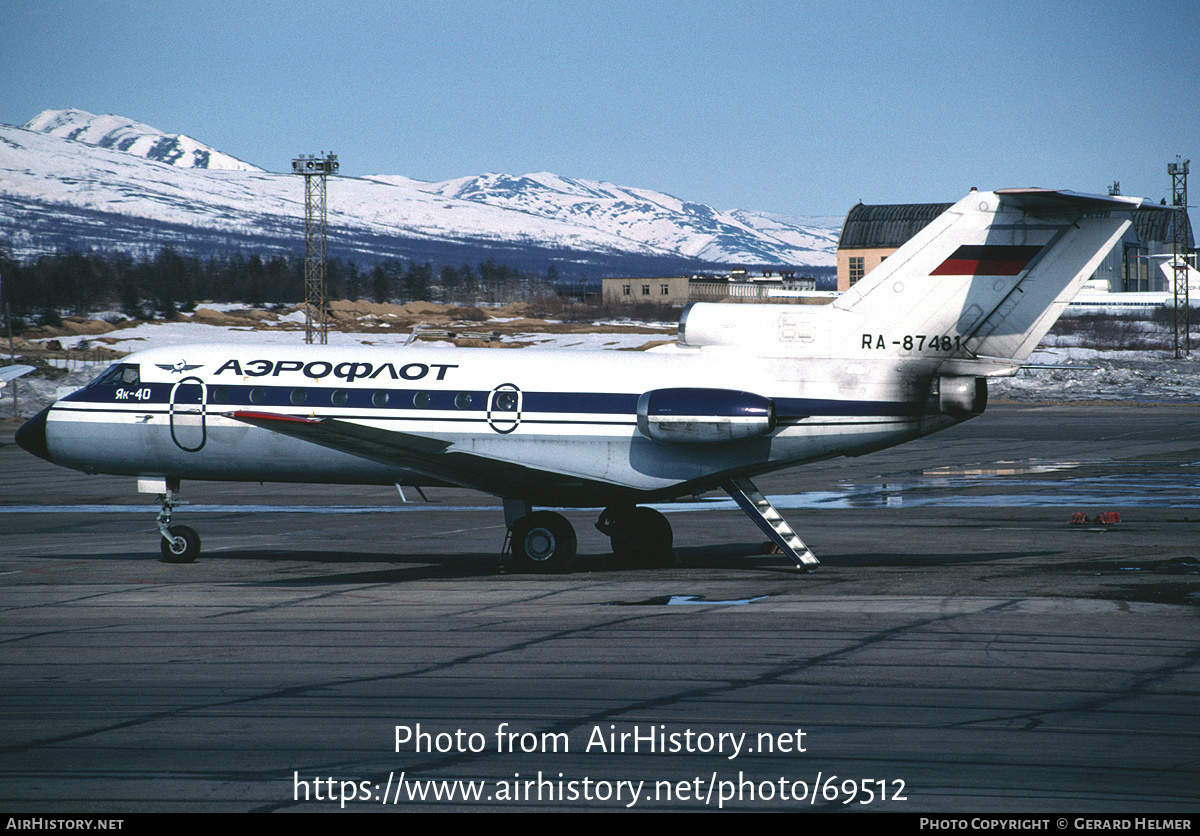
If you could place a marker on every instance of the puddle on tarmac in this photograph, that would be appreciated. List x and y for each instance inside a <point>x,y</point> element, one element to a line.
<point>683,600</point>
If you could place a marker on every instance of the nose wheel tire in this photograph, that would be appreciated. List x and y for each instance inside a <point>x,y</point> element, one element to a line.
<point>183,546</point>
<point>543,542</point>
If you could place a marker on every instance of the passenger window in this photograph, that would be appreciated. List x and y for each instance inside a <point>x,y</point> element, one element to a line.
<point>505,401</point>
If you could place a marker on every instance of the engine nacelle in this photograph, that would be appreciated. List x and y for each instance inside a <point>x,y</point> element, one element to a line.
<point>794,329</point>
<point>703,416</point>
<point>961,395</point>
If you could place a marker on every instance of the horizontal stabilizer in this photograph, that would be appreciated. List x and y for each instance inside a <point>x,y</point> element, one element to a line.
<point>1035,200</point>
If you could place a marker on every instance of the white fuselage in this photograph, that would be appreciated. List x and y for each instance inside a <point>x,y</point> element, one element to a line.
<point>569,416</point>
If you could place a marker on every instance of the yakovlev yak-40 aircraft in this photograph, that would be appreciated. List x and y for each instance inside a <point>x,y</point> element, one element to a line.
<point>747,389</point>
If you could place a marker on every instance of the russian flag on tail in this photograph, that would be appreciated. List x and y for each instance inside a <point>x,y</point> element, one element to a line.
<point>987,260</point>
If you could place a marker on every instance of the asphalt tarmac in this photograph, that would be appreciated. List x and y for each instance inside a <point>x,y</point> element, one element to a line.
<point>964,648</point>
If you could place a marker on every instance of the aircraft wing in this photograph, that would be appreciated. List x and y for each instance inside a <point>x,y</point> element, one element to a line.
<point>430,457</point>
<point>8,373</point>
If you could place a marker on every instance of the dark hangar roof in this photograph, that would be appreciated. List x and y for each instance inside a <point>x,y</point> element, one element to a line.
<point>1157,223</point>
<point>888,225</point>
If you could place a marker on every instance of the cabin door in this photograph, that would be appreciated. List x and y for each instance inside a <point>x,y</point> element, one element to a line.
<point>189,421</point>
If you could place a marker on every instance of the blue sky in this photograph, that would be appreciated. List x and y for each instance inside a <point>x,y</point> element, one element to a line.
<point>790,107</point>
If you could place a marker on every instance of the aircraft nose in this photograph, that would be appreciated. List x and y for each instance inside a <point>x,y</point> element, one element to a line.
<point>32,435</point>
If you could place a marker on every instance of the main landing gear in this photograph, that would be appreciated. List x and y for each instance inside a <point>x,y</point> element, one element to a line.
<point>541,541</point>
<point>545,541</point>
<point>639,535</point>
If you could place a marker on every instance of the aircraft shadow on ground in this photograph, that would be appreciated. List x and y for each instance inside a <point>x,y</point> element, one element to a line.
<point>925,559</point>
<point>735,557</point>
<point>385,567</point>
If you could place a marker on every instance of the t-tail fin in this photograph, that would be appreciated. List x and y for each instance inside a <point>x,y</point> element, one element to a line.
<point>980,285</point>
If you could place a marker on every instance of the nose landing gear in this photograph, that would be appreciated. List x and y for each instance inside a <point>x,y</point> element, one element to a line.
<point>180,543</point>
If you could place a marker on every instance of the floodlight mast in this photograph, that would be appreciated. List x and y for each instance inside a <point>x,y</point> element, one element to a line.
<point>1179,250</point>
<point>315,170</point>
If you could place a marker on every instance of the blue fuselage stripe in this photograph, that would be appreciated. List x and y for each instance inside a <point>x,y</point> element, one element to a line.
<point>239,396</point>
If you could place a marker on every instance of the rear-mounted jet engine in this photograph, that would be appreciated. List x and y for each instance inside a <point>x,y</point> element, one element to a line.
<point>703,416</point>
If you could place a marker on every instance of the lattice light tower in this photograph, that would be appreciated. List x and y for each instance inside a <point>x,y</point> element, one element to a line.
<point>315,171</point>
<point>1179,252</point>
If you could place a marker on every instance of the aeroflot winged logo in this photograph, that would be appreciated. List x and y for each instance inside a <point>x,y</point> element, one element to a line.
<point>178,368</point>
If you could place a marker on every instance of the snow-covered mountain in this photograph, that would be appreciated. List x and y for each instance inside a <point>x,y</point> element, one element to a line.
<point>72,180</point>
<point>135,138</point>
<point>690,229</point>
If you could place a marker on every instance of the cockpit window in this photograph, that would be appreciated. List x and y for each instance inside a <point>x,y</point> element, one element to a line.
<point>122,374</point>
